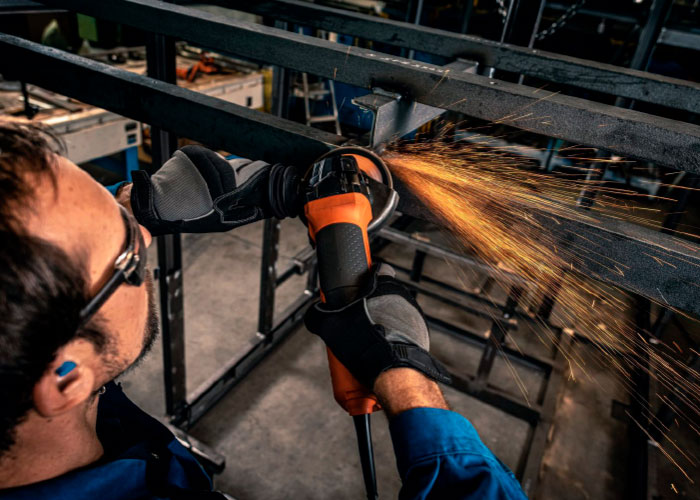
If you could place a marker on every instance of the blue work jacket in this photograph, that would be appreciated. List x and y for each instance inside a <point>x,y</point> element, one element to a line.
<point>438,452</point>
<point>439,455</point>
<point>142,461</point>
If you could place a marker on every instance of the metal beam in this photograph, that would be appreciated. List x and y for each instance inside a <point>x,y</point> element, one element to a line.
<point>499,398</point>
<point>677,38</point>
<point>17,7</point>
<point>658,13</point>
<point>217,123</point>
<point>664,269</point>
<point>515,355</point>
<point>522,22</point>
<point>160,55</point>
<point>394,118</point>
<point>536,63</point>
<point>625,132</point>
<point>213,389</point>
<point>540,436</point>
<point>223,125</point>
<point>600,14</point>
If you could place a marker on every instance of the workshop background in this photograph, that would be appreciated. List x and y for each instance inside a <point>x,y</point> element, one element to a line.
<point>239,378</point>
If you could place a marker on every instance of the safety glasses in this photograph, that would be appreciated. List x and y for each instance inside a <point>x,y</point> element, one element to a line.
<point>129,268</point>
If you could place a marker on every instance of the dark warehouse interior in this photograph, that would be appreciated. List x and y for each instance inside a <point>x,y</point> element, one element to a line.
<point>536,192</point>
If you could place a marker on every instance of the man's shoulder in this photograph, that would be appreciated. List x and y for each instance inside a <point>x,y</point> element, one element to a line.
<point>142,460</point>
<point>122,425</point>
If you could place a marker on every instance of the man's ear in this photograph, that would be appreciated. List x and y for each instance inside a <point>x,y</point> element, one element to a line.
<point>68,381</point>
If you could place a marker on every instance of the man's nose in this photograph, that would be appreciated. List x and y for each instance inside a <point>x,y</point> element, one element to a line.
<point>147,238</point>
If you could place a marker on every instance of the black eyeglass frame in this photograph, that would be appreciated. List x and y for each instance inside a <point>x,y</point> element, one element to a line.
<point>129,267</point>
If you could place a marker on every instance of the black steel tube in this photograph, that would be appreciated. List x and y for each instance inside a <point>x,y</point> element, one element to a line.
<point>215,387</point>
<point>466,16</point>
<point>497,336</point>
<point>29,109</point>
<point>417,266</point>
<point>515,355</point>
<point>499,398</point>
<point>646,43</point>
<point>601,245</point>
<point>626,132</point>
<point>271,228</point>
<point>218,124</point>
<point>160,55</point>
<point>548,66</point>
<point>416,21</point>
<point>679,38</point>
<point>637,465</point>
<point>523,22</point>
<point>268,276</point>
<point>364,443</point>
<point>649,35</point>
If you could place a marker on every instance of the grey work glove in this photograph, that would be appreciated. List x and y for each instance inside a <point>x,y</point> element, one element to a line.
<point>198,191</point>
<point>384,329</point>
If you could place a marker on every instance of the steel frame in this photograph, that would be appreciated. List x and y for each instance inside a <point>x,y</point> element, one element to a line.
<point>678,38</point>
<point>166,105</point>
<point>667,142</point>
<point>626,132</point>
<point>536,63</point>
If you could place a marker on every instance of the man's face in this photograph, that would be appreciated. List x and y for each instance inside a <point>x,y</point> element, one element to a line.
<point>83,218</point>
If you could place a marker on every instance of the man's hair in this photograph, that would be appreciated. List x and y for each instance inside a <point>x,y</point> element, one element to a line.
<point>42,289</point>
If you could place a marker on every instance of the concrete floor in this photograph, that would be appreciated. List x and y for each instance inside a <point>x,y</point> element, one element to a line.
<point>284,436</point>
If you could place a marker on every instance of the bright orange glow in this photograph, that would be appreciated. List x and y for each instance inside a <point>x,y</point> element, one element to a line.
<point>506,215</point>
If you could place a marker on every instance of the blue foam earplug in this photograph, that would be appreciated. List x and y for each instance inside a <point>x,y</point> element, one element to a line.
<point>65,368</point>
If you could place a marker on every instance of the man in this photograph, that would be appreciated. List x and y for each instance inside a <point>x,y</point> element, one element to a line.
<point>76,302</point>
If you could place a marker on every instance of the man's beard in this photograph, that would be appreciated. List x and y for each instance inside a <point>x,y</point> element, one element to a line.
<point>152,327</point>
<point>117,366</point>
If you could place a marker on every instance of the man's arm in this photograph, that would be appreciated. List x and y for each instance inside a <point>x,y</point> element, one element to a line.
<point>438,452</point>
<point>383,340</point>
<point>401,389</point>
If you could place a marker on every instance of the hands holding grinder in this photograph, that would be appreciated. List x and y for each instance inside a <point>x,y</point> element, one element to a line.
<point>381,338</point>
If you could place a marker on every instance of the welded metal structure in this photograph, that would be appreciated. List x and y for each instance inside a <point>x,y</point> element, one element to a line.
<point>174,111</point>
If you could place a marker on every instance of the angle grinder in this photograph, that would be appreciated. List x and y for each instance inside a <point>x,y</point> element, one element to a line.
<point>347,194</point>
<point>342,205</point>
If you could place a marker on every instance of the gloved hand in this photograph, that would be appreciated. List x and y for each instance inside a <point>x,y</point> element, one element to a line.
<point>384,329</point>
<point>198,191</point>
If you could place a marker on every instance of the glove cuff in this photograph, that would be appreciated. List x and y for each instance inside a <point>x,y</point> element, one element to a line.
<point>283,191</point>
<point>383,356</point>
<point>412,356</point>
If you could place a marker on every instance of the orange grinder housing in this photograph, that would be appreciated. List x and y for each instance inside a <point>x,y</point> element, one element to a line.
<point>338,213</point>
